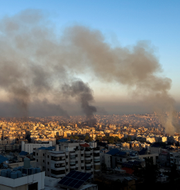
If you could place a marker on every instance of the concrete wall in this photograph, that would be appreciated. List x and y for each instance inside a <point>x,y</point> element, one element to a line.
<point>23,187</point>
<point>16,183</point>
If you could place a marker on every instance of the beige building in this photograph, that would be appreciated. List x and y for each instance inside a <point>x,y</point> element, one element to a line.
<point>68,156</point>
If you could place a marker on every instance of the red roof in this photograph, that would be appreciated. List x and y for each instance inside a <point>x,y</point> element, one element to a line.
<point>84,145</point>
<point>128,170</point>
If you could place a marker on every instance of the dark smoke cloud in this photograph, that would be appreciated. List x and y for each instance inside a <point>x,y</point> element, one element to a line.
<point>44,108</point>
<point>35,63</point>
<point>83,93</point>
<point>137,68</point>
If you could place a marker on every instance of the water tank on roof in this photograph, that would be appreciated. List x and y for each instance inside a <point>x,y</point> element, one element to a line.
<point>13,175</point>
<point>26,163</point>
<point>15,169</point>
<point>20,168</point>
<point>4,173</point>
<point>30,171</point>
<point>38,170</point>
<point>8,172</point>
<point>19,174</point>
<point>33,170</point>
<point>25,171</point>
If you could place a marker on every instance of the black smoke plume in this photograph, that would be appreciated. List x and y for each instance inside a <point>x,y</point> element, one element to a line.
<point>83,93</point>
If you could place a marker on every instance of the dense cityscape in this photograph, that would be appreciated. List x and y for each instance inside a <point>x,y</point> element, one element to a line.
<point>89,95</point>
<point>123,151</point>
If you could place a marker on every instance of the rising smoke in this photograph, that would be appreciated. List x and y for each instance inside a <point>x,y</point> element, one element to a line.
<point>83,93</point>
<point>38,65</point>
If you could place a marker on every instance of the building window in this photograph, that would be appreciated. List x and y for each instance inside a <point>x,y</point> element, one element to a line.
<point>37,160</point>
<point>36,154</point>
<point>48,163</point>
<point>58,172</point>
<point>43,160</point>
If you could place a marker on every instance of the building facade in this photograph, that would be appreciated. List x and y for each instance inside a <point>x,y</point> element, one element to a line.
<point>67,157</point>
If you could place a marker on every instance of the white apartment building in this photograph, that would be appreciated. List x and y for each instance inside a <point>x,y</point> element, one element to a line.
<point>29,147</point>
<point>68,156</point>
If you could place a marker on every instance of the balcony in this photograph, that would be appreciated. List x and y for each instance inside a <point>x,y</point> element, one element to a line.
<point>88,168</point>
<point>58,162</point>
<point>96,150</point>
<point>73,167</point>
<point>57,158</point>
<point>96,155</point>
<point>88,164</point>
<point>72,163</point>
<point>97,163</point>
<point>59,168</point>
<point>88,158</point>
<point>88,149</point>
<point>58,175</point>
<point>56,165</point>
<point>72,153</point>
<point>58,155</point>
<point>72,157</point>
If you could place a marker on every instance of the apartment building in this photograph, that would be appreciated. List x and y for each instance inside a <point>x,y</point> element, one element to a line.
<point>29,147</point>
<point>68,156</point>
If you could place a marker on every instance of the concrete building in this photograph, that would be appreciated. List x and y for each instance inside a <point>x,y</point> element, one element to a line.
<point>22,178</point>
<point>30,182</point>
<point>68,156</point>
<point>29,147</point>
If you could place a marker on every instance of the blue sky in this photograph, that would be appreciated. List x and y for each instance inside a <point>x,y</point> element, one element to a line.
<point>122,22</point>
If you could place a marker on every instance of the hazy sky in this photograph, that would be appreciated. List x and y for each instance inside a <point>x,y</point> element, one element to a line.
<point>123,23</point>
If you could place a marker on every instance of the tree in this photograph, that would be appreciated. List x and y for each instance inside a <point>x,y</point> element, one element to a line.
<point>111,140</point>
<point>128,138</point>
<point>76,137</point>
<point>87,138</point>
<point>116,139</point>
<point>99,138</point>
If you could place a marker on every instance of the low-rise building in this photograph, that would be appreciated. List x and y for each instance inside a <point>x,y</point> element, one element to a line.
<point>22,178</point>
